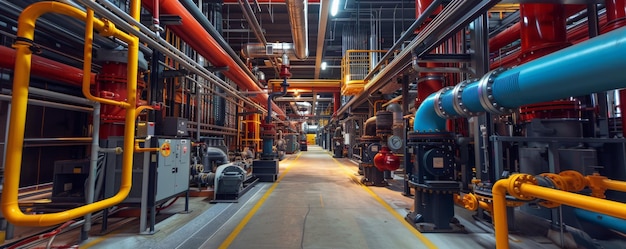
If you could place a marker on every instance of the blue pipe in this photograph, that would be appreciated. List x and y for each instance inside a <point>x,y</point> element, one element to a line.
<point>596,65</point>
<point>601,219</point>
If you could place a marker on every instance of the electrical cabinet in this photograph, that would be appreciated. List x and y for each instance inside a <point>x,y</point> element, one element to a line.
<point>168,173</point>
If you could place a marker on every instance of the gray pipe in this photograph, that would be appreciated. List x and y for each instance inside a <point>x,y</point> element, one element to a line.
<point>197,14</point>
<point>297,10</point>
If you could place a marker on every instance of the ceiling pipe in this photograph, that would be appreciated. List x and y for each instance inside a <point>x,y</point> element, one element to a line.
<point>194,34</point>
<point>298,10</point>
<point>536,81</point>
<point>47,68</point>
<point>248,13</point>
<point>206,24</point>
<point>321,37</point>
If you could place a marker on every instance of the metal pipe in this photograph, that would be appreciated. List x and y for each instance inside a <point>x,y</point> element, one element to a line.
<point>47,68</point>
<point>206,24</point>
<point>533,82</point>
<point>406,35</point>
<point>524,187</point>
<point>49,104</point>
<point>129,24</point>
<point>601,219</point>
<point>23,44</point>
<point>298,10</point>
<point>207,47</point>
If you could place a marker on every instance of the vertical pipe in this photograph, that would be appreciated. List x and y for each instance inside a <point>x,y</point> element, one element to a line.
<point>336,102</point>
<point>543,30</point>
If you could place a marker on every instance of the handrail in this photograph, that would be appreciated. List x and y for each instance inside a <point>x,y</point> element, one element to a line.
<point>524,187</point>
<point>15,141</point>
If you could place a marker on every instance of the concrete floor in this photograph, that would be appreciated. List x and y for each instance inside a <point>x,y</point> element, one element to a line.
<point>318,202</point>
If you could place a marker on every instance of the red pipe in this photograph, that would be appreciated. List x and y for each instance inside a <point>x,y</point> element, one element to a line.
<point>616,14</point>
<point>543,30</point>
<point>336,102</point>
<point>194,34</point>
<point>505,37</point>
<point>512,33</point>
<point>47,68</point>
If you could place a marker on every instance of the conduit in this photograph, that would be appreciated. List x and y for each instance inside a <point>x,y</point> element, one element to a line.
<point>194,34</point>
<point>43,67</point>
<point>537,81</point>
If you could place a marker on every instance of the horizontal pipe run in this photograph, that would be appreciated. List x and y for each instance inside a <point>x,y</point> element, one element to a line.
<point>126,22</point>
<point>536,81</point>
<point>47,68</point>
<point>192,32</point>
<point>602,220</point>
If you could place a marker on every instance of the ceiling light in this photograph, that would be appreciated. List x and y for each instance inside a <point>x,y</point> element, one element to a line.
<point>334,8</point>
<point>324,64</point>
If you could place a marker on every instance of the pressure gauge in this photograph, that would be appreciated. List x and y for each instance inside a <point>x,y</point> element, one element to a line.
<point>394,142</point>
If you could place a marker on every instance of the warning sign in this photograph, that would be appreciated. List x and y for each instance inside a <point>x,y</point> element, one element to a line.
<point>165,149</point>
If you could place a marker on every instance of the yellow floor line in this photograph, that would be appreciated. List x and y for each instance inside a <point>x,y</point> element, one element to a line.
<point>393,212</point>
<point>229,240</point>
<point>99,239</point>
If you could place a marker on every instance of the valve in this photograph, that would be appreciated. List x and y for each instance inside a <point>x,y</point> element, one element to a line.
<point>386,160</point>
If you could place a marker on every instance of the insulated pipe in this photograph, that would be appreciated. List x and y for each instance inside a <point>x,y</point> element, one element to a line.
<point>201,18</point>
<point>15,141</point>
<point>505,37</point>
<point>523,187</point>
<point>194,34</point>
<point>47,68</point>
<point>533,82</point>
<point>298,11</point>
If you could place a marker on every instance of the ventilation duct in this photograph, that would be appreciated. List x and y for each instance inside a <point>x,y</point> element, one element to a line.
<point>298,10</point>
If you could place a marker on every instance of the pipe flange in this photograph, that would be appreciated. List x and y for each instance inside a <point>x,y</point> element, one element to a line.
<point>515,183</point>
<point>557,181</point>
<point>485,92</point>
<point>575,180</point>
<point>438,103</point>
<point>457,99</point>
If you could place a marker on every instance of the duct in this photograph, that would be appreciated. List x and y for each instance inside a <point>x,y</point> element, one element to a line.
<point>298,10</point>
<point>260,50</point>
<point>197,14</point>
<point>300,99</point>
<point>536,81</point>
<point>370,126</point>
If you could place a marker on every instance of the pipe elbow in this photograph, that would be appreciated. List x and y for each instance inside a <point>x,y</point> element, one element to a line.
<point>426,119</point>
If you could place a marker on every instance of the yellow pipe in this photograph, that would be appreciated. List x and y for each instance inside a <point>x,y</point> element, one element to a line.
<point>138,148</point>
<point>141,109</point>
<point>614,185</point>
<point>525,187</point>
<point>88,54</point>
<point>15,140</point>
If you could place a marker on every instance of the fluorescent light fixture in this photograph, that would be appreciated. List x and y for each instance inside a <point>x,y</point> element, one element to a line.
<point>324,64</point>
<point>334,7</point>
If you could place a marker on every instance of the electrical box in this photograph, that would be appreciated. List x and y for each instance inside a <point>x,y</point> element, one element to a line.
<point>168,169</point>
<point>174,126</point>
<point>68,184</point>
<point>145,129</point>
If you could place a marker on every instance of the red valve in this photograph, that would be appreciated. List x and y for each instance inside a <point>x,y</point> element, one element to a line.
<point>386,160</point>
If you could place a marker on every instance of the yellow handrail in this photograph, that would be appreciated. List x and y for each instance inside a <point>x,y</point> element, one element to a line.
<point>524,187</point>
<point>15,140</point>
